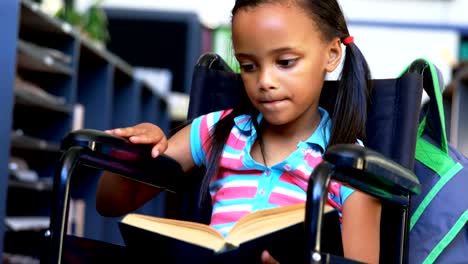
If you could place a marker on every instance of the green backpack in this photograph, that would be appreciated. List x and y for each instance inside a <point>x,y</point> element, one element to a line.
<point>439,215</point>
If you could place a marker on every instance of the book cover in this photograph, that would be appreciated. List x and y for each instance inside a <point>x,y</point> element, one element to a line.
<point>278,230</point>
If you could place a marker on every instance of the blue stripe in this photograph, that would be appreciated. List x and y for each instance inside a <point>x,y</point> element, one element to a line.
<point>215,116</point>
<point>198,155</point>
<point>196,148</point>
<point>289,186</point>
<point>345,192</point>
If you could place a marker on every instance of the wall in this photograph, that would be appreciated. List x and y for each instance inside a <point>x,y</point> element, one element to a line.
<point>391,33</point>
<point>214,12</point>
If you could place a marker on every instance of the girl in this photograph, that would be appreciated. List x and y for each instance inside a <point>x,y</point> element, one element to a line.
<point>260,155</point>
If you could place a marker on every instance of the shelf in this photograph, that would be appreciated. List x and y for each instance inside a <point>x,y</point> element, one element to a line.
<point>25,223</point>
<point>33,18</point>
<point>24,246</point>
<point>22,98</point>
<point>31,57</point>
<point>39,186</point>
<point>30,143</point>
<point>18,258</point>
<point>117,62</point>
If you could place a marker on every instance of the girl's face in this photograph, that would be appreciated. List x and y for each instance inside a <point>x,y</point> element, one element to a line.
<point>283,61</point>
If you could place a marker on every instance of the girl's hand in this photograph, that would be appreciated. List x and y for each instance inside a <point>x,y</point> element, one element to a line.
<point>144,133</point>
<point>267,258</point>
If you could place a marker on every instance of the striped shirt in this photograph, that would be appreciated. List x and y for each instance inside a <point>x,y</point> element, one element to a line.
<point>243,185</point>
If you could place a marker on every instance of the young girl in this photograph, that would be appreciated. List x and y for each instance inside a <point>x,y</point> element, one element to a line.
<point>260,155</point>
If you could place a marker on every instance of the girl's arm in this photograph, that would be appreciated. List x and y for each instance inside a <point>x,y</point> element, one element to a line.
<point>118,195</point>
<point>361,227</point>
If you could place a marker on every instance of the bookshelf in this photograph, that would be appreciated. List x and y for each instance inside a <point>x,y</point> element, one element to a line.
<point>53,80</point>
<point>152,46</point>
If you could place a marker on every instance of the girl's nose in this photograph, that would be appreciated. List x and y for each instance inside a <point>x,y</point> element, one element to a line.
<point>266,79</point>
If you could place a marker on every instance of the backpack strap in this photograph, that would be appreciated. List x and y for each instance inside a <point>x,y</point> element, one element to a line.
<point>435,155</point>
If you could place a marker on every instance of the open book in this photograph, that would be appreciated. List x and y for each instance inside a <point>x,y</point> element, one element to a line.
<point>277,230</point>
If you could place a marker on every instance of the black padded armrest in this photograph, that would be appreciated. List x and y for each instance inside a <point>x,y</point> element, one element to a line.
<point>371,172</point>
<point>361,168</point>
<point>98,149</point>
<point>117,154</point>
<point>104,143</point>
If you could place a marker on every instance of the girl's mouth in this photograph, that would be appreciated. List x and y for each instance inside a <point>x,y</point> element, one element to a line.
<point>273,104</point>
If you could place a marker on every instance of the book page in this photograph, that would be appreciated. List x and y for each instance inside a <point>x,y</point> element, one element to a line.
<point>191,232</point>
<point>266,221</point>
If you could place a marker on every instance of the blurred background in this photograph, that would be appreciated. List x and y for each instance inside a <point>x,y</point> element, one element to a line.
<point>71,64</point>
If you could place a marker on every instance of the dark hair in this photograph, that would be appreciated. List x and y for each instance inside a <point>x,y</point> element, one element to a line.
<point>350,111</point>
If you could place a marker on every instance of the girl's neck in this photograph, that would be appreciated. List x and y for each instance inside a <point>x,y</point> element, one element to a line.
<point>276,143</point>
<point>299,129</point>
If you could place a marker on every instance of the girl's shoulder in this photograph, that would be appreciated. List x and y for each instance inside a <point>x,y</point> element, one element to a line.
<point>219,114</point>
<point>210,119</point>
<point>216,116</point>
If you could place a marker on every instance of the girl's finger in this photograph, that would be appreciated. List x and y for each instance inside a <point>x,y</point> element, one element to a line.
<point>155,152</point>
<point>159,148</point>
<point>267,258</point>
<point>138,139</point>
<point>146,139</point>
<point>123,132</point>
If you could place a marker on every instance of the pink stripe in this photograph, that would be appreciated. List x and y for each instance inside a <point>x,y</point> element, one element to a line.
<point>301,174</point>
<point>282,200</point>
<point>225,113</point>
<point>234,193</point>
<point>235,143</point>
<point>231,163</point>
<point>228,172</point>
<point>225,172</point>
<point>334,188</point>
<point>333,204</point>
<point>312,161</point>
<point>287,177</point>
<point>204,134</point>
<point>227,217</point>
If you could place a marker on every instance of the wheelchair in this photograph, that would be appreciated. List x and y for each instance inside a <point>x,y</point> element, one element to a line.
<point>379,169</point>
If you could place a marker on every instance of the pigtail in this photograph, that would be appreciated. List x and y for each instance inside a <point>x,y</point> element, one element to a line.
<point>350,112</point>
<point>218,140</point>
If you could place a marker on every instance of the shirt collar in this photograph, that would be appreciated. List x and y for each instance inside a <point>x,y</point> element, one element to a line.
<point>320,137</point>
<point>244,123</point>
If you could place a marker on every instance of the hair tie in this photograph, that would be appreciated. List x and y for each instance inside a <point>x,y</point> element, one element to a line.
<point>348,40</point>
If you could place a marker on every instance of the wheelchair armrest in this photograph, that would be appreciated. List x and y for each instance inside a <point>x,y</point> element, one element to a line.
<point>98,149</point>
<point>112,153</point>
<point>371,172</point>
<point>361,168</point>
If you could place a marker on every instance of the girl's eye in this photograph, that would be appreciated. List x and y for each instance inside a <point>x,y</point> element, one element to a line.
<point>286,63</point>
<point>247,67</point>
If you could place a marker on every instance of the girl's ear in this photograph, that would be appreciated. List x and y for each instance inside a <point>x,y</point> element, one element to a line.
<point>335,53</point>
